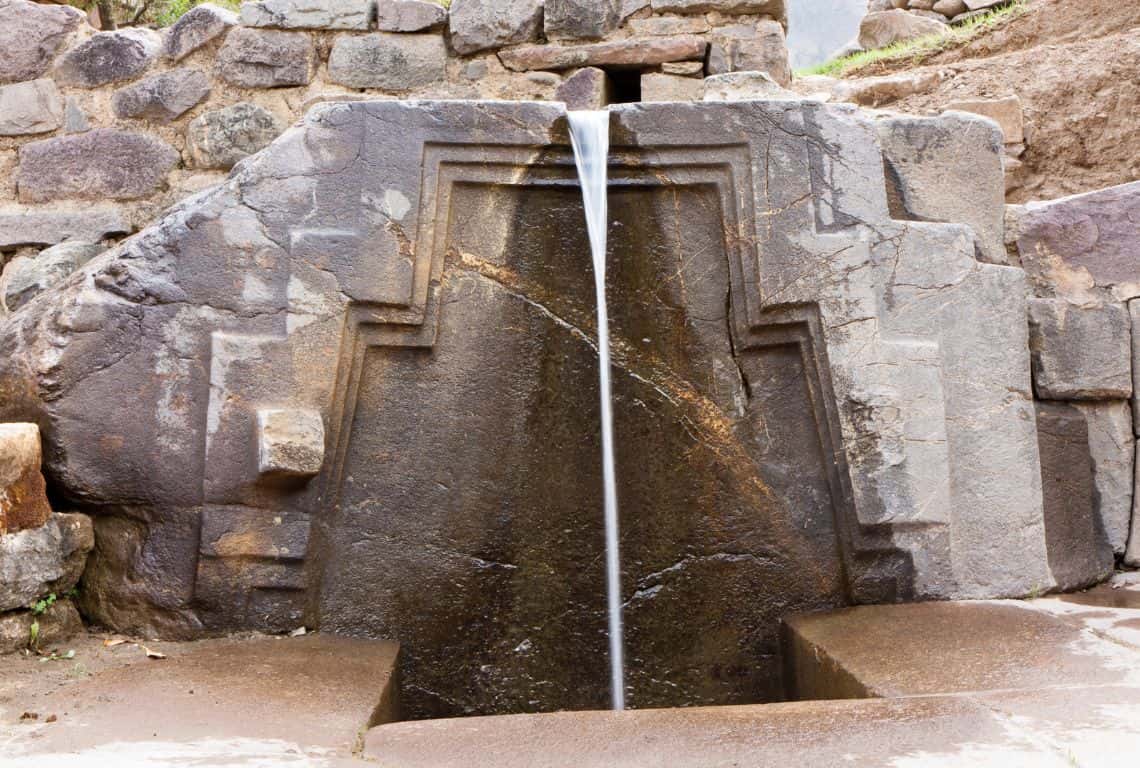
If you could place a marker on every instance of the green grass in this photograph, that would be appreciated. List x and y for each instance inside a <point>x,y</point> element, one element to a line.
<point>920,48</point>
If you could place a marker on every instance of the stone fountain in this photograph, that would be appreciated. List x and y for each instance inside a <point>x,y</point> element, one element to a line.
<point>355,388</point>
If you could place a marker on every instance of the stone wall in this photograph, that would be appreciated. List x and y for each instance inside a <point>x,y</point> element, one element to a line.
<point>894,21</point>
<point>101,131</point>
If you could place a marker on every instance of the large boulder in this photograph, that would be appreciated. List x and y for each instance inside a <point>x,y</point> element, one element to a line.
<point>31,107</point>
<point>948,168</point>
<point>25,277</point>
<point>219,139</point>
<point>878,30</point>
<point>195,28</point>
<point>477,25</point>
<point>43,560</point>
<point>162,97</point>
<point>109,57</point>
<point>267,58</point>
<point>389,61</point>
<point>307,14</point>
<point>31,34</point>
<point>23,494</point>
<point>102,163</point>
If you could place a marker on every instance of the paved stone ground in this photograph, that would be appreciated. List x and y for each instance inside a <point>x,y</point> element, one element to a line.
<point>252,701</point>
<point>1047,683</point>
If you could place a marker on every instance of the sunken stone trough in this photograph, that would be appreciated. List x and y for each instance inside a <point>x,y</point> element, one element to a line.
<point>355,388</point>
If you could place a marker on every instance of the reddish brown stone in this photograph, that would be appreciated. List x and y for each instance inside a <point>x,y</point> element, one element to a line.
<point>23,495</point>
<point>633,52</point>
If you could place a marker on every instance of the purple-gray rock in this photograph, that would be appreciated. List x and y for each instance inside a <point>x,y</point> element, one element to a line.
<point>31,34</point>
<point>103,163</point>
<point>25,277</point>
<point>198,26</point>
<point>162,97</point>
<point>108,57</point>
<point>774,8</point>
<point>578,19</point>
<point>477,25</point>
<point>266,58</point>
<point>409,15</point>
<point>388,60</point>
<point>31,107</point>
<point>220,138</point>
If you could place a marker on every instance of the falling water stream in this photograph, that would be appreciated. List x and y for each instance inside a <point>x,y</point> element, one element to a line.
<point>590,136</point>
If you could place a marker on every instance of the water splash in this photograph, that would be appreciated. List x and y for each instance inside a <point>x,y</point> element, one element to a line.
<point>590,136</point>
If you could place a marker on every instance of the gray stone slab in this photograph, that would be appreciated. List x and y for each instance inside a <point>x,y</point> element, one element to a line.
<point>758,47</point>
<point>477,25</point>
<point>389,61</point>
<point>1080,553</point>
<point>580,19</point>
<point>308,14</point>
<point>31,107</point>
<point>222,137</point>
<point>409,15</point>
<point>1080,353</point>
<point>267,58</point>
<point>1113,450</point>
<point>162,97</point>
<point>39,561</point>
<point>42,226</point>
<point>26,277</point>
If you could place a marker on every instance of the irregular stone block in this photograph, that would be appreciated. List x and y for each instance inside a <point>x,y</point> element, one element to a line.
<point>31,107</point>
<point>219,139</point>
<point>26,277</point>
<point>1076,244</point>
<point>195,28</point>
<point>21,227</point>
<point>662,26</point>
<point>948,168</point>
<point>291,442</point>
<point>874,91</point>
<point>758,47</point>
<point>878,30</point>
<point>109,57</point>
<point>773,8</point>
<point>588,88</point>
<point>1080,353</point>
<point>74,121</point>
<point>163,97</point>
<point>266,58</point>
<point>1079,551</point>
<point>1132,551</point>
<point>980,5</point>
<point>59,623</point>
<point>746,86</point>
<point>950,8</point>
<point>30,36</point>
<point>660,87</point>
<point>23,493</point>
<point>103,163</point>
<point>684,68</point>
<point>632,52</point>
<point>307,14</point>
<point>477,25</point>
<point>1005,112</point>
<point>580,19</point>
<point>1113,449</point>
<point>409,15</point>
<point>386,60</point>
<point>38,561</point>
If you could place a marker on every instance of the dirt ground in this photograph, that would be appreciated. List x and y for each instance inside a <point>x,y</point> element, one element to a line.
<point>1075,65</point>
